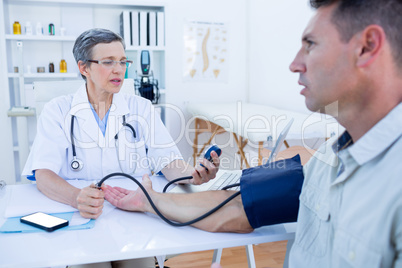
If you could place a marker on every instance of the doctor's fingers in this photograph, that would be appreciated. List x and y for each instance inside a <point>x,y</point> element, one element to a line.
<point>85,200</point>
<point>200,176</point>
<point>211,167</point>
<point>90,207</point>
<point>90,212</point>
<point>207,169</point>
<point>215,159</point>
<point>92,192</point>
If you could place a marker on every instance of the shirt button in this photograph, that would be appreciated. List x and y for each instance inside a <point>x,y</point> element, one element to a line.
<point>352,255</point>
<point>317,207</point>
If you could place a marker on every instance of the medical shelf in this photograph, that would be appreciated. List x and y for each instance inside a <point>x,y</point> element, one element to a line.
<point>44,75</point>
<point>21,111</point>
<point>34,50</point>
<point>33,37</point>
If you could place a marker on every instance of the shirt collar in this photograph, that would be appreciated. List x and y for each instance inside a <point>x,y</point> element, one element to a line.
<point>344,141</point>
<point>378,138</point>
<point>81,103</point>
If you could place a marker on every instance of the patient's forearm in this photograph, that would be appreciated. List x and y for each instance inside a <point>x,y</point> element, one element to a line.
<point>186,207</point>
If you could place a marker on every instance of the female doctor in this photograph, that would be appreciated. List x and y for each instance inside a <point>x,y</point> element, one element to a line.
<point>98,131</point>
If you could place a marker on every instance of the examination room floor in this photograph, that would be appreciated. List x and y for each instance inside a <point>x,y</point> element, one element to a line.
<point>267,255</point>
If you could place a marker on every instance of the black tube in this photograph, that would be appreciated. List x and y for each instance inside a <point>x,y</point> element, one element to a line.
<point>99,184</point>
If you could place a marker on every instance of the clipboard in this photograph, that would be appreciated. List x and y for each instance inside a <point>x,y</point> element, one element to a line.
<point>13,225</point>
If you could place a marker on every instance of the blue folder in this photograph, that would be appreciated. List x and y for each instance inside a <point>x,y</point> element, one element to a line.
<point>13,225</point>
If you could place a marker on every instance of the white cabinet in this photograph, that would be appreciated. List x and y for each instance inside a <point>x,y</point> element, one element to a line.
<point>28,52</point>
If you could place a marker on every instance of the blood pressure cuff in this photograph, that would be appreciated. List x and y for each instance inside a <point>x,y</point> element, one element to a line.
<point>270,193</point>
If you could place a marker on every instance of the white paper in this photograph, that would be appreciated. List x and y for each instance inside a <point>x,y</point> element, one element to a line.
<point>26,199</point>
<point>77,219</point>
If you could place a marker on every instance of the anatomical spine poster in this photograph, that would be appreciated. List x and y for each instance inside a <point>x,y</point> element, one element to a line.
<point>205,52</point>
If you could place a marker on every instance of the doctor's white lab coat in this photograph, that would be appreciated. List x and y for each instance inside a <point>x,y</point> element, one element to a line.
<point>151,150</point>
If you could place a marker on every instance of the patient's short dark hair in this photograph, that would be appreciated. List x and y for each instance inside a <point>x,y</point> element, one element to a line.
<point>352,16</point>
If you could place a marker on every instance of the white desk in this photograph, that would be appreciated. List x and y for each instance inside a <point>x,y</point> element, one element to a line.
<point>121,235</point>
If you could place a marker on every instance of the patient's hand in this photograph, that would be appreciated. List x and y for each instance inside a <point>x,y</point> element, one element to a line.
<point>129,200</point>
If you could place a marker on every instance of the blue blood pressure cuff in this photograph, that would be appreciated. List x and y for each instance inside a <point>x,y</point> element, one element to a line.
<point>270,193</point>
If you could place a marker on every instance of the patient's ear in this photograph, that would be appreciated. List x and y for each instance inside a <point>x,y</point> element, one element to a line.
<point>371,41</point>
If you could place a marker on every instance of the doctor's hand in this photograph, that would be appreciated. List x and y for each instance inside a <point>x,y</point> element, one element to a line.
<point>130,200</point>
<point>90,202</point>
<point>207,172</point>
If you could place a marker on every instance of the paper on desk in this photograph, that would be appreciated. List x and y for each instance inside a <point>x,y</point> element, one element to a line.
<point>77,219</point>
<point>26,199</point>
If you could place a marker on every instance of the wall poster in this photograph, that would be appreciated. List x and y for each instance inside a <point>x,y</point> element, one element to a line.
<point>205,52</point>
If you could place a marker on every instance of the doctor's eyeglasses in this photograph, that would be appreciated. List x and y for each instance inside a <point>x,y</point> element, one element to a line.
<point>109,64</point>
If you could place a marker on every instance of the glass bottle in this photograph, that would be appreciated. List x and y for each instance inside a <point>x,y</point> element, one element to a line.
<point>28,28</point>
<point>63,66</point>
<point>16,28</point>
<point>39,29</point>
<point>51,67</point>
<point>51,29</point>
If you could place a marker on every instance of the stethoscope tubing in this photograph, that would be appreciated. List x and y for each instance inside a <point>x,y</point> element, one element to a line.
<point>176,224</point>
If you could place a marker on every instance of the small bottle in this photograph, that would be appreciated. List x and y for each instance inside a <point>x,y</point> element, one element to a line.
<point>62,31</point>
<point>51,29</point>
<point>51,67</point>
<point>28,28</point>
<point>16,28</point>
<point>39,29</point>
<point>63,66</point>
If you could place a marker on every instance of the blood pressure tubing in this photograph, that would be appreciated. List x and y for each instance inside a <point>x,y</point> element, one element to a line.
<point>156,209</point>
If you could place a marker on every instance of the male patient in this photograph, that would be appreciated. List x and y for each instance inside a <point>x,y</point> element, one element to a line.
<point>350,213</point>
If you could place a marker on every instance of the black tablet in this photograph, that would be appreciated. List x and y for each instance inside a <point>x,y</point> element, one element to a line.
<point>44,221</point>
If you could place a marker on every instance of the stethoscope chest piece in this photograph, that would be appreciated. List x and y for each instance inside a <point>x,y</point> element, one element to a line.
<point>76,164</point>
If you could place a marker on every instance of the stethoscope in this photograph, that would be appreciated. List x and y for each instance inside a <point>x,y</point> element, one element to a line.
<point>77,164</point>
<point>207,155</point>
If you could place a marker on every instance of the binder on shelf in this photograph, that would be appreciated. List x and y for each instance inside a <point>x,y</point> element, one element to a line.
<point>125,25</point>
<point>143,28</point>
<point>135,31</point>
<point>160,29</point>
<point>152,28</point>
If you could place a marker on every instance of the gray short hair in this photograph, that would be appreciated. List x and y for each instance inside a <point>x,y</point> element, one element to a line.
<point>84,43</point>
<point>353,16</point>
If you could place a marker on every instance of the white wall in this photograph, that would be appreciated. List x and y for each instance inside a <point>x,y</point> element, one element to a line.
<point>275,30</point>
<point>234,14</point>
